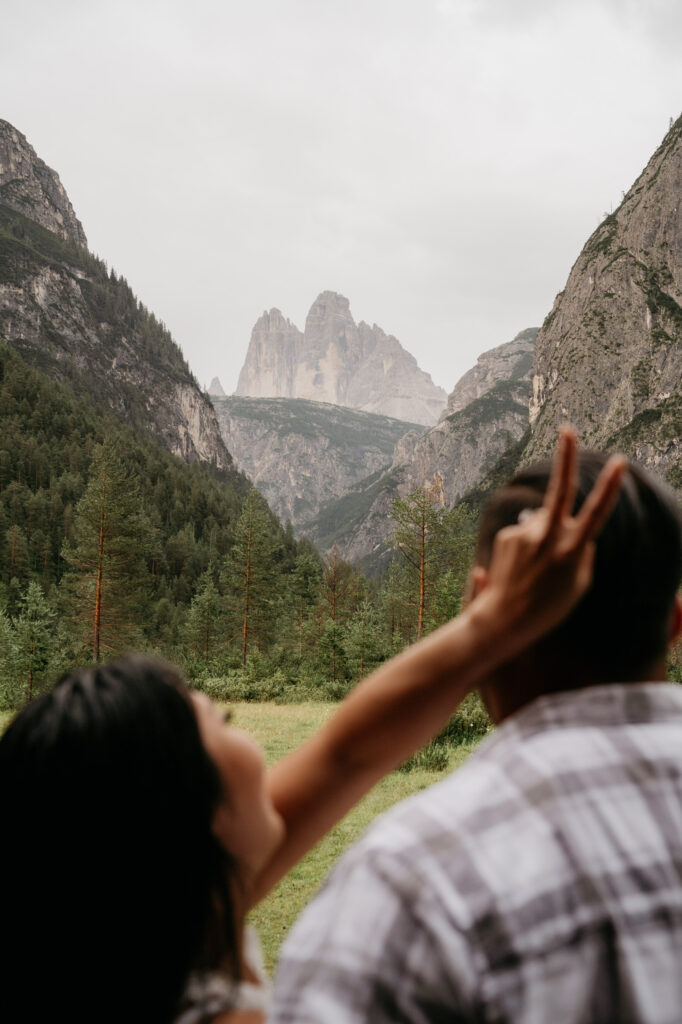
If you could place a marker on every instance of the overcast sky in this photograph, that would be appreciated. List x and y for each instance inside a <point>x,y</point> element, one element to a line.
<point>440,162</point>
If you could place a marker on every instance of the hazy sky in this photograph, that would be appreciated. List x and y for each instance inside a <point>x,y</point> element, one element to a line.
<point>440,163</point>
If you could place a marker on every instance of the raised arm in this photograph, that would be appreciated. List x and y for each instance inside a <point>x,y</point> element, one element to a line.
<point>539,570</point>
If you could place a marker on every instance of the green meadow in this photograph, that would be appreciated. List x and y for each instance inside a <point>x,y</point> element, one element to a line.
<point>279,729</point>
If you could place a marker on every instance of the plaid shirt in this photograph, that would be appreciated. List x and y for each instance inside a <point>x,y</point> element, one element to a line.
<point>541,882</point>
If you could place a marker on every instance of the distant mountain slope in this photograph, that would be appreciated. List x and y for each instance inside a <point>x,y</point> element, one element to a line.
<point>337,361</point>
<point>609,355</point>
<point>65,313</point>
<point>462,448</point>
<point>46,452</point>
<point>302,454</point>
<point>508,362</point>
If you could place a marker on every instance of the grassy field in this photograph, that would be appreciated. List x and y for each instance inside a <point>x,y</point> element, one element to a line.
<point>280,728</point>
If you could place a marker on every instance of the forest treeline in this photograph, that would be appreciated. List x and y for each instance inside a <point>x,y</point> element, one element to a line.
<point>109,543</point>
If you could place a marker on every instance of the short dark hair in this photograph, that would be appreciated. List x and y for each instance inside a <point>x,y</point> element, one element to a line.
<point>620,628</point>
<point>114,886</point>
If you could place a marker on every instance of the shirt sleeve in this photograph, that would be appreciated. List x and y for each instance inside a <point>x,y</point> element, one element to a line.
<point>373,947</point>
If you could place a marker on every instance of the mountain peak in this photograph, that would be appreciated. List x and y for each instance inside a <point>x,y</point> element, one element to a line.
<point>33,189</point>
<point>330,302</point>
<point>339,362</point>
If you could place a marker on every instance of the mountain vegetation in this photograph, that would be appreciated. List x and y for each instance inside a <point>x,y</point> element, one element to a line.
<point>108,541</point>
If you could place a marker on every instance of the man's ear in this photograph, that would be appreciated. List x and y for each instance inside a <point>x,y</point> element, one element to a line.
<point>675,620</point>
<point>477,582</point>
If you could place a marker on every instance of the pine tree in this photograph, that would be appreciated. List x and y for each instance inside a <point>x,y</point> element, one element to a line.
<point>107,560</point>
<point>343,587</point>
<point>431,542</point>
<point>34,638</point>
<point>458,545</point>
<point>250,570</point>
<point>11,689</point>
<point>364,644</point>
<point>418,532</point>
<point>16,551</point>
<point>305,587</point>
<point>202,627</point>
<point>393,600</point>
<point>331,653</point>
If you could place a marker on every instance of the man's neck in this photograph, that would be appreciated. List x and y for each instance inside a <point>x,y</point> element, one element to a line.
<point>522,681</point>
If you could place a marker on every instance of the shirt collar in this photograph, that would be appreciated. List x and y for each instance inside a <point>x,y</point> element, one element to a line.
<point>606,705</point>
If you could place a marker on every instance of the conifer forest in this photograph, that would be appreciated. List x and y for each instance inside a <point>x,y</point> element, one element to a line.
<point>110,543</point>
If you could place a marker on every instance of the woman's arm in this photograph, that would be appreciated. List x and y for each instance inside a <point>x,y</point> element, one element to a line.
<point>538,572</point>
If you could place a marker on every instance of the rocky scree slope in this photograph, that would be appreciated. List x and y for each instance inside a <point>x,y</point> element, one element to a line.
<point>303,454</point>
<point>337,361</point>
<point>609,355</point>
<point>465,445</point>
<point>66,314</point>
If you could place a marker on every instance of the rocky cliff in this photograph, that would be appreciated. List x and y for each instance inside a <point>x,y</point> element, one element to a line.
<point>508,362</point>
<point>337,361</point>
<point>461,449</point>
<point>66,314</point>
<point>609,354</point>
<point>303,454</point>
<point>29,186</point>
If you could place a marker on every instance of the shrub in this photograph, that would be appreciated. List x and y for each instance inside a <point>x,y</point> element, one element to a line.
<point>434,757</point>
<point>470,721</point>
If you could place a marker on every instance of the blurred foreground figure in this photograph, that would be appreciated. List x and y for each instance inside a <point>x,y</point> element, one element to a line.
<point>543,880</point>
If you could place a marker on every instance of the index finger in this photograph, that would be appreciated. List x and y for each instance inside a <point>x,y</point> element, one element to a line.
<point>599,503</point>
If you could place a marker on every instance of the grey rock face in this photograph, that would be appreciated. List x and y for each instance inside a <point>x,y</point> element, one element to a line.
<point>609,355</point>
<point>460,449</point>
<point>47,319</point>
<point>215,388</point>
<point>29,186</point>
<point>303,454</point>
<point>511,361</point>
<point>63,313</point>
<point>271,360</point>
<point>337,361</point>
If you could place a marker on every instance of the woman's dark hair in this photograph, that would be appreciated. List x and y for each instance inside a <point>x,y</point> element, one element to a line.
<point>621,627</point>
<point>113,884</point>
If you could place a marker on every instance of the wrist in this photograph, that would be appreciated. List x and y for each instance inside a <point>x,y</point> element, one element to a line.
<point>491,629</point>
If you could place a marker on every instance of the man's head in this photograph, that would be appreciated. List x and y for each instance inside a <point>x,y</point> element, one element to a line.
<point>621,628</point>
